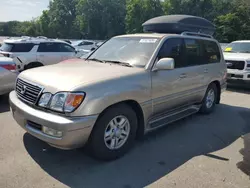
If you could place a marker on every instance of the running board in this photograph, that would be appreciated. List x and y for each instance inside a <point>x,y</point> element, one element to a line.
<point>173,116</point>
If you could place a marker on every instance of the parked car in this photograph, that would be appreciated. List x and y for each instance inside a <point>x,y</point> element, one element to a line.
<point>84,45</point>
<point>129,86</point>
<point>8,75</point>
<point>35,52</point>
<point>237,57</point>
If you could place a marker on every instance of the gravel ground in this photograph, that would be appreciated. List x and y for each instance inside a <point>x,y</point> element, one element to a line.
<point>199,151</point>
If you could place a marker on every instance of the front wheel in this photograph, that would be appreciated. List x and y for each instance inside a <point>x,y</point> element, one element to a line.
<point>209,101</point>
<point>114,133</point>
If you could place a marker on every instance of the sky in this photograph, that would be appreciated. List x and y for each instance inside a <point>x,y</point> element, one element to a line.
<point>21,10</point>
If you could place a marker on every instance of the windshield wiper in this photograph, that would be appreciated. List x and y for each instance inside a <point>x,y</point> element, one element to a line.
<point>119,63</point>
<point>98,60</point>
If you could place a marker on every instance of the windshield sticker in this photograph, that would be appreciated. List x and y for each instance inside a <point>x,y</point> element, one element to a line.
<point>148,40</point>
<point>228,49</point>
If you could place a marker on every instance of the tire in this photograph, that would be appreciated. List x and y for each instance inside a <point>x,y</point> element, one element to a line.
<point>33,65</point>
<point>209,102</point>
<point>99,148</point>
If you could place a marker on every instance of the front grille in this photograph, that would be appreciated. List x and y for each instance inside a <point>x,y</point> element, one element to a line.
<point>27,91</point>
<point>240,65</point>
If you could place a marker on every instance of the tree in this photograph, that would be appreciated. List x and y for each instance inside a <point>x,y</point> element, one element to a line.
<point>138,11</point>
<point>100,19</point>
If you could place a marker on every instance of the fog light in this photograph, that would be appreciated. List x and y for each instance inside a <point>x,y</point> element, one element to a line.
<point>52,132</point>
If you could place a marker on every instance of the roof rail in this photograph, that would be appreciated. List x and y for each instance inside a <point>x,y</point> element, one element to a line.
<point>196,34</point>
<point>41,37</point>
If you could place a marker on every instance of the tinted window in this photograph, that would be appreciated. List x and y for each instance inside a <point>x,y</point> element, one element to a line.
<point>193,52</point>
<point>173,48</point>
<point>66,48</point>
<point>211,52</point>
<point>49,47</point>
<point>15,47</point>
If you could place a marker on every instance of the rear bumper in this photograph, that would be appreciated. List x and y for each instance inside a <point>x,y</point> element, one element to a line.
<point>75,130</point>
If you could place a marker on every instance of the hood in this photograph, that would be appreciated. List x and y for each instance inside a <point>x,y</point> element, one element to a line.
<point>237,56</point>
<point>73,73</point>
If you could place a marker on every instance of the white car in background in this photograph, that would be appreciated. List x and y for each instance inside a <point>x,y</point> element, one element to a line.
<point>30,52</point>
<point>85,45</point>
<point>237,57</point>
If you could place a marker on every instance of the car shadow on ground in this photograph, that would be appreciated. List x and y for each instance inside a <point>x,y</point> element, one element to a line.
<point>4,103</point>
<point>245,89</point>
<point>158,154</point>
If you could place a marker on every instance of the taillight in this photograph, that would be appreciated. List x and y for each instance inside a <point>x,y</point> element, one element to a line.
<point>9,67</point>
<point>6,55</point>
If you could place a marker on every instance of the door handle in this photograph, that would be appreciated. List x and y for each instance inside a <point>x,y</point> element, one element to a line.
<point>205,70</point>
<point>183,75</point>
<point>41,55</point>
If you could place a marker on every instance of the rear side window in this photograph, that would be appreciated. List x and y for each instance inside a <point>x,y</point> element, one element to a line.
<point>211,52</point>
<point>173,48</point>
<point>17,47</point>
<point>193,52</point>
<point>49,47</point>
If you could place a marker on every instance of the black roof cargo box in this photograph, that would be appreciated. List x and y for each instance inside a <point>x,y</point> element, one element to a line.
<point>178,24</point>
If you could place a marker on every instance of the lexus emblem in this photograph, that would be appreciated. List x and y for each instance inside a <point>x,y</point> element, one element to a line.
<point>23,90</point>
<point>229,64</point>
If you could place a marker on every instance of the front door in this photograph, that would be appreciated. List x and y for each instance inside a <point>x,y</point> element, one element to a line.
<point>175,88</point>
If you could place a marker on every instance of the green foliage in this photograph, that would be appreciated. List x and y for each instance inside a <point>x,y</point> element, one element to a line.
<point>139,11</point>
<point>102,19</point>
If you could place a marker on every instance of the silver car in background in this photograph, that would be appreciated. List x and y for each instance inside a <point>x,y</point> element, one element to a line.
<point>7,75</point>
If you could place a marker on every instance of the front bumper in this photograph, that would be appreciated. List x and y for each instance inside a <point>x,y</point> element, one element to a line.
<point>75,130</point>
<point>238,76</point>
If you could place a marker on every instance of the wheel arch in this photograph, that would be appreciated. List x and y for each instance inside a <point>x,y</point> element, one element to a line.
<point>218,86</point>
<point>135,106</point>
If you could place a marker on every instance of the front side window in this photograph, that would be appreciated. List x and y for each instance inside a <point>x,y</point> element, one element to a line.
<point>66,48</point>
<point>238,47</point>
<point>135,51</point>
<point>173,48</point>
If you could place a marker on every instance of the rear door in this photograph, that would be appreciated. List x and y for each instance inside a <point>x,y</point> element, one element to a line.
<point>49,53</point>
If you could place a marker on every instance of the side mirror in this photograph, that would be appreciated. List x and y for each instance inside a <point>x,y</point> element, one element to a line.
<point>164,64</point>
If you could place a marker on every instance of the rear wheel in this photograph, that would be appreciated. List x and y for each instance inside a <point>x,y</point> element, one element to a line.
<point>114,133</point>
<point>209,101</point>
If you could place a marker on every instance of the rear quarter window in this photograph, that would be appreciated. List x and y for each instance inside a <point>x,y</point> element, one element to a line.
<point>211,52</point>
<point>17,47</point>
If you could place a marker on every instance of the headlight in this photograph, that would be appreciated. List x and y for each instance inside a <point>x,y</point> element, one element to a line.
<point>66,102</point>
<point>248,65</point>
<point>58,100</point>
<point>44,100</point>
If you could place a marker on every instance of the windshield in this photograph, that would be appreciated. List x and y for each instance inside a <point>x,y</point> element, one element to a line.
<point>135,51</point>
<point>6,47</point>
<point>238,47</point>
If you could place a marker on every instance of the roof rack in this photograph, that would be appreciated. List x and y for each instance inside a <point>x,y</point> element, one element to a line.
<point>41,37</point>
<point>196,34</point>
